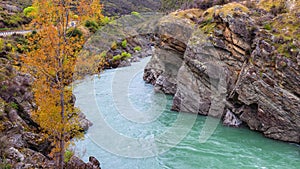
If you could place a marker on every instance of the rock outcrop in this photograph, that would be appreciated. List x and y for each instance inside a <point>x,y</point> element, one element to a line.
<point>22,144</point>
<point>77,163</point>
<point>239,69</point>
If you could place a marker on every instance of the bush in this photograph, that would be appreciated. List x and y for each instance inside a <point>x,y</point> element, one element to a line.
<point>29,11</point>
<point>137,48</point>
<point>74,32</point>
<point>14,105</point>
<point>125,55</point>
<point>68,155</point>
<point>135,13</point>
<point>105,20</point>
<point>15,20</point>
<point>117,57</point>
<point>267,26</point>
<point>124,43</point>
<point>91,25</point>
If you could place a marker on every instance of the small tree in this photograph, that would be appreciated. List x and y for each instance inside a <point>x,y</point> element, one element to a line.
<point>51,59</point>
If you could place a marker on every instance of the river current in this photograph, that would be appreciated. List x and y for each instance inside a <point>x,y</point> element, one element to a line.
<point>120,140</point>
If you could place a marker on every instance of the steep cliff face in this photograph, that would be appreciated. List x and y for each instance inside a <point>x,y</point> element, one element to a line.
<point>22,144</point>
<point>172,37</point>
<point>245,69</point>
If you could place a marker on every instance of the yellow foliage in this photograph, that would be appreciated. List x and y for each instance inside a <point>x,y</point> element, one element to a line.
<point>51,60</point>
<point>89,64</point>
<point>88,9</point>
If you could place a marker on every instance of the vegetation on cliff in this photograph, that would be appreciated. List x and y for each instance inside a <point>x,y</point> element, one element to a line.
<point>51,59</point>
<point>11,13</point>
<point>42,102</point>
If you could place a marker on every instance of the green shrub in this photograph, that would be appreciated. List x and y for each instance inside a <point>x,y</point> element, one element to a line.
<point>105,20</point>
<point>135,13</point>
<point>4,87</point>
<point>267,26</point>
<point>15,20</point>
<point>125,55</point>
<point>22,44</point>
<point>29,11</point>
<point>68,155</point>
<point>137,48</point>
<point>5,166</point>
<point>117,57</point>
<point>124,43</point>
<point>14,105</point>
<point>91,25</point>
<point>74,32</point>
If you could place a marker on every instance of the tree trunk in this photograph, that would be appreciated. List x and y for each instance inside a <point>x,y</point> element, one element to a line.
<point>62,134</point>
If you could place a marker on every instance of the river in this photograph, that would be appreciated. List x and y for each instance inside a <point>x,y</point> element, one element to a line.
<point>121,140</point>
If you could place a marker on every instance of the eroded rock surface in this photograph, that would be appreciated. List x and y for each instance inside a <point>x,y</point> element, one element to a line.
<point>22,143</point>
<point>237,71</point>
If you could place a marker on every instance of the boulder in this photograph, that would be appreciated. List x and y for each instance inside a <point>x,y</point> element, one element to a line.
<point>77,163</point>
<point>231,120</point>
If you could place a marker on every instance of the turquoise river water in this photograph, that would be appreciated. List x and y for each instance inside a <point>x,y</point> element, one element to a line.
<point>109,139</point>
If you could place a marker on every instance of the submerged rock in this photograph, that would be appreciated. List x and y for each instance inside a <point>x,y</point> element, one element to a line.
<point>231,120</point>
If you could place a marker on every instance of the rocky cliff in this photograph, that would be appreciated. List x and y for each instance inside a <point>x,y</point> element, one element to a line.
<point>234,62</point>
<point>22,143</point>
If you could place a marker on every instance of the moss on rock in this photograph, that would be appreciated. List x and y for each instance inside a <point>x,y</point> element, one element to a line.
<point>269,4</point>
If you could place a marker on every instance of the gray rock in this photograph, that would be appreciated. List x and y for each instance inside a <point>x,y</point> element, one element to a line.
<point>84,123</point>
<point>77,163</point>
<point>15,154</point>
<point>124,63</point>
<point>231,120</point>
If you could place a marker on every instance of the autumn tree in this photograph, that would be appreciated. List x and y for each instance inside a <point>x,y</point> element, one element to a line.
<point>51,59</point>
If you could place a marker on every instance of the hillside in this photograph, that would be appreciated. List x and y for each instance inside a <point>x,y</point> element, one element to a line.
<point>120,7</point>
<point>11,13</point>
